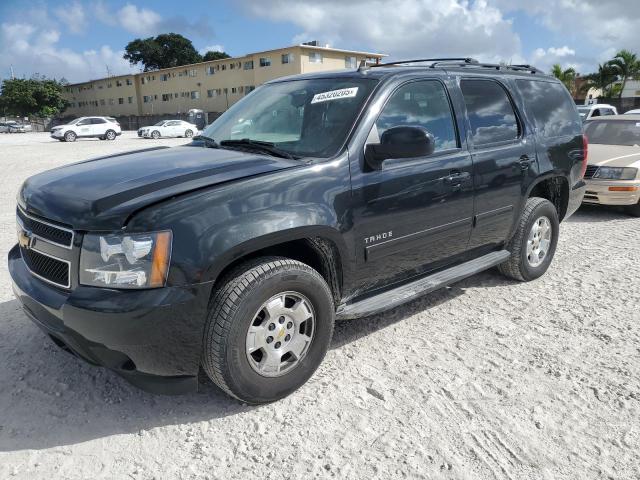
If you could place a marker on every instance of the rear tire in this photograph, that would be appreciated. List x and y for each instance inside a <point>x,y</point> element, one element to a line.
<point>534,243</point>
<point>110,135</point>
<point>70,137</point>
<point>188,134</point>
<point>262,312</point>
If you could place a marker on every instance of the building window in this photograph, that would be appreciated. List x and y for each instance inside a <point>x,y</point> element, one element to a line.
<point>142,80</point>
<point>223,67</point>
<point>210,70</point>
<point>315,57</point>
<point>164,77</point>
<point>166,97</point>
<point>248,65</point>
<point>195,95</point>
<point>147,99</point>
<point>120,101</point>
<point>248,89</point>
<point>129,82</point>
<point>109,85</point>
<point>287,58</point>
<point>193,72</point>
<point>118,83</point>
<point>111,102</point>
<point>350,62</point>
<point>218,91</point>
<point>232,66</point>
<point>211,93</point>
<point>102,102</point>
<point>265,61</point>
<point>130,99</point>
<point>233,90</point>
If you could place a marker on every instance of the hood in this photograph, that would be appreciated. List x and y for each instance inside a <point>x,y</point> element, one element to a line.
<point>614,155</point>
<point>101,194</point>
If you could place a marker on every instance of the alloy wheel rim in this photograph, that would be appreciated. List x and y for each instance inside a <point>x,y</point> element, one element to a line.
<point>539,241</point>
<point>280,334</point>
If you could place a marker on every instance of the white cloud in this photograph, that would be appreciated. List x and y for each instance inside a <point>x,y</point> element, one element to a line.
<point>140,21</point>
<point>212,48</point>
<point>72,15</point>
<point>403,28</point>
<point>30,50</point>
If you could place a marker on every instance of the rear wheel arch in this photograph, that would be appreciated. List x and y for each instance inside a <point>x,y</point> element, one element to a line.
<point>554,188</point>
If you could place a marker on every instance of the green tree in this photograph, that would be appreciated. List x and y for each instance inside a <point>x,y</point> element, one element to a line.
<point>626,65</point>
<point>604,80</point>
<point>567,77</point>
<point>213,55</point>
<point>39,96</point>
<point>164,51</point>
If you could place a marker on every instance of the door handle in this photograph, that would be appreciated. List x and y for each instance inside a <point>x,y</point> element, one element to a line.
<point>525,162</point>
<point>455,178</point>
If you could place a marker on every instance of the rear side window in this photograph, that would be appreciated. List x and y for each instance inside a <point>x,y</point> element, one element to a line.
<point>97,121</point>
<point>491,114</point>
<point>553,110</point>
<point>421,104</point>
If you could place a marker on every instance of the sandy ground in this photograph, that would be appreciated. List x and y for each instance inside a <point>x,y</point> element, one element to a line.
<point>486,379</point>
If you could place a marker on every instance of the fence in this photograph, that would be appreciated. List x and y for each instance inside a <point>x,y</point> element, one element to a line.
<point>621,104</point>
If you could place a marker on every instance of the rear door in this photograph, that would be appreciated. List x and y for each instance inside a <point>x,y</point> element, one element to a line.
<point>98,126</point>
<point>503,157</point>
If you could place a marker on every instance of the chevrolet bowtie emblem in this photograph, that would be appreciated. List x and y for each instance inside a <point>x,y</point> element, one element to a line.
<point>25,238</point>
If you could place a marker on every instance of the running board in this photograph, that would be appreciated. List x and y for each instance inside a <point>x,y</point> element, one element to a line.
<point>405,293</point>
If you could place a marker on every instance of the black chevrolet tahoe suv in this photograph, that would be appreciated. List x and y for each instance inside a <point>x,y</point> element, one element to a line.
<point>317,197</point>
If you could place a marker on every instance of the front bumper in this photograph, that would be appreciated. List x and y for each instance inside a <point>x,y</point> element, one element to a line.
<point>57,133</point>
<point>152,338</point>
<point>599,193</point>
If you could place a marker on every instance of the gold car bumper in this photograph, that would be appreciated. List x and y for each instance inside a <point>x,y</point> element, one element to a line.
<point>612,192</point>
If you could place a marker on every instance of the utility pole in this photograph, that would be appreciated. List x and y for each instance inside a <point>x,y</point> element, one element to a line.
<point>13,77</point>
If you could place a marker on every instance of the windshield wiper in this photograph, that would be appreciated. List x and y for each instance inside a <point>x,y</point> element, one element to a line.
<point>265,147</point>
<point>207,141</point>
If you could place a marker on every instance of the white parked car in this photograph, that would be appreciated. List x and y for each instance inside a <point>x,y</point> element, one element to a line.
<point>597,110</point>
<point>635,111</point>
<point>104,128</point>
<point>169,128</point>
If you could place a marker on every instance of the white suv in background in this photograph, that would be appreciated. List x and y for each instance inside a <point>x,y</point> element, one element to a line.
<point>104,128</point>
<point>169,128</point>
<point>597,110</point>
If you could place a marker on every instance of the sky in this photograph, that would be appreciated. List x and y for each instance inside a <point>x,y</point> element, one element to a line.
<point>81,40</point>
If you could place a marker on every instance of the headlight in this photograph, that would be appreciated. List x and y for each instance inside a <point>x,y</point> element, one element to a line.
<point>616,173</point>
<point>138,260</point>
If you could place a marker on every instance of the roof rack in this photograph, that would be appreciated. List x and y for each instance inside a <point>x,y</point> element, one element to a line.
<point>458,62</point>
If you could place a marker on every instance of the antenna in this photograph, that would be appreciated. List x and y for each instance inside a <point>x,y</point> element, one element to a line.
<point>108,71</point>
<point>13,77</point>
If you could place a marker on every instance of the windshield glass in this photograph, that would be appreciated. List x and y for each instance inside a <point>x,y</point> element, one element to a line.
<point>613,132</point>
<point>302,117</point>
<point>583,111</point>
<point>159,124</point>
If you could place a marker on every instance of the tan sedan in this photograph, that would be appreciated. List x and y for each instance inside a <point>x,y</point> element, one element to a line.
<point>613,170</point>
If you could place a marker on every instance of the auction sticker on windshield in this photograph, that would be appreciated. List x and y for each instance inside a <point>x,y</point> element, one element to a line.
<point>335,95</point>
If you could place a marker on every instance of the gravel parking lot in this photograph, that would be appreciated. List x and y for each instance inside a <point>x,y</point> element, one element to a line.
<point>487,379</point>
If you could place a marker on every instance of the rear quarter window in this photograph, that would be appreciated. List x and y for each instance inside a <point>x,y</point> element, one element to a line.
<point>554,112</point>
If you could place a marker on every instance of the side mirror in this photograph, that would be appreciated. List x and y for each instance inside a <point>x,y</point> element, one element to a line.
<point>400,142</point>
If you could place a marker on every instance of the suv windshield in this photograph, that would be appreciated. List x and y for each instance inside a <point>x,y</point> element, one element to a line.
<point>613,132</point>
<point>301,117</point>
<point>583,111</point>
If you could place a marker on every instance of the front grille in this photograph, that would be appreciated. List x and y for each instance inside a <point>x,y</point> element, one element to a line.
<point>591,171</point>
<point>47,231</point>
<point>47,268</point>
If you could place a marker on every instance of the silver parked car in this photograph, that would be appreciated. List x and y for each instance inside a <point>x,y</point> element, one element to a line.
<point>16,127</point>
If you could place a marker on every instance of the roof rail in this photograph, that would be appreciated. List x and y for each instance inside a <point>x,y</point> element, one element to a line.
<point>459,62</point>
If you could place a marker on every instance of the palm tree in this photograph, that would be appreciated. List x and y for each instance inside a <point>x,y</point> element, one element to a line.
<point>602,80</point>
<point>567,76</point>
<point>626,65</point>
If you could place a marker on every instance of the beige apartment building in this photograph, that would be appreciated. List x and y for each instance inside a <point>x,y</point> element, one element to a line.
<point>210,86</point>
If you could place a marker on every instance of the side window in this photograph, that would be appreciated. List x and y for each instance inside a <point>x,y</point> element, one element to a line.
<point>596,112</point>
<point>97,121</point>
<point>552,108</point>
<point>421,104</point>
<point>86,121</point>
<point>491,114</point>
<point>607,111</point>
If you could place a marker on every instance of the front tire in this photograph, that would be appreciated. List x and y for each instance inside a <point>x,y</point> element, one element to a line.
<point>188,133</point>
<point>70,137</point>
<point>269,327</point>
<point>534,243</point>
<point>155,134</point>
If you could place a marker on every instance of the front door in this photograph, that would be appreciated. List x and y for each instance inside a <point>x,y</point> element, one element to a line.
<point>413,215</point>
<point>503,152</point>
